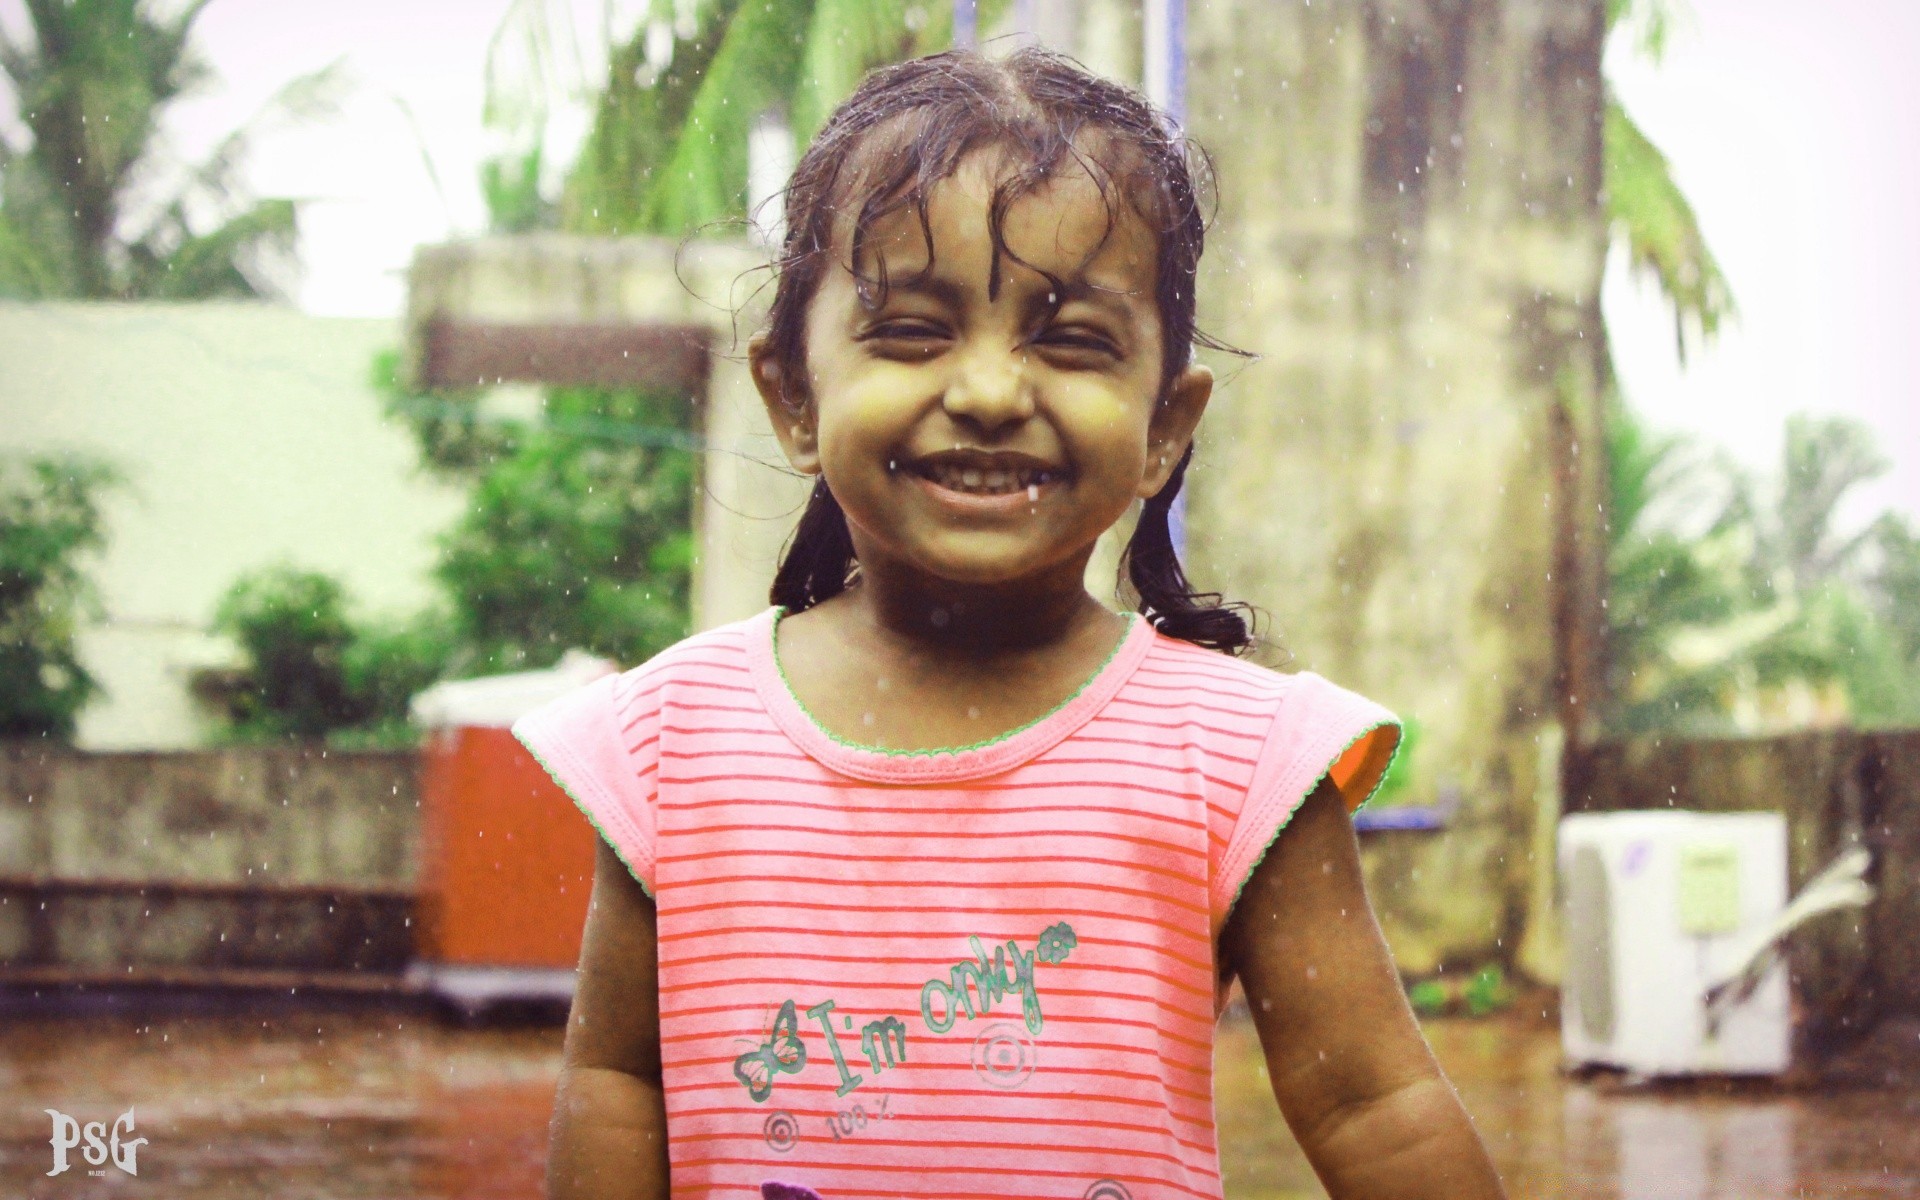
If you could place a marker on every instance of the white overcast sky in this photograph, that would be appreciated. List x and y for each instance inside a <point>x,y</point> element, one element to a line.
<point>1794,127</point>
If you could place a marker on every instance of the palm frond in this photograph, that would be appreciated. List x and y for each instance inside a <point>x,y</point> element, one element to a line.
<point>844,40</point>
<point>637,121</point>
<point>1647,209</point>
<point>1652,22</point>
<point>754,69</point>
<point>235,259</point>
<point>1825,458</point>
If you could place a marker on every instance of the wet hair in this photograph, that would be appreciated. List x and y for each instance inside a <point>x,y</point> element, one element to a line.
<point>910,126</point>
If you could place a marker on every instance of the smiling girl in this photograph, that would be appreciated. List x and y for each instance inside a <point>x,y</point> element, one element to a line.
<point>930,879</point>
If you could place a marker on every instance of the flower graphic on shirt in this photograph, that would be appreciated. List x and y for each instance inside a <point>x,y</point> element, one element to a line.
<point>1056,942</point>
<point>782,1053</point>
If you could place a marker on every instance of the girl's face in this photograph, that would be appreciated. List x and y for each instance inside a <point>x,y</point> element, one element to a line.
<point>986,440</point>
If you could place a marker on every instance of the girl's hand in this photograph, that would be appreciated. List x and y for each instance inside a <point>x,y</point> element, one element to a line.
<point>609,1134</point>
<point>1354,1078</point>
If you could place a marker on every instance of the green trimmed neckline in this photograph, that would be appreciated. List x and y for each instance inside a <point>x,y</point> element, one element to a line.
<point>773,651</point>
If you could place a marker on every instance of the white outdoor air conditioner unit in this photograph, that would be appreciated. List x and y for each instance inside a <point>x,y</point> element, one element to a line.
<point>1661,909</point>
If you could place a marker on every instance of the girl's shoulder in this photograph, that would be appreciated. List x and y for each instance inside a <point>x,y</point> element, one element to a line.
<point>1184,672</point>
<point>720,650</point>
<point>1296,728</point>
<point>699,668</point>
<point>599,742</point>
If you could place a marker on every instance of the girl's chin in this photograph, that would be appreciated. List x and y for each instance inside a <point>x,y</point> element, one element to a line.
<point>984,562</point>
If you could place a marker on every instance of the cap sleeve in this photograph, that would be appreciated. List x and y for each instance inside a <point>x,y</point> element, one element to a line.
<point>1320,730</point>
<point>598,742</point>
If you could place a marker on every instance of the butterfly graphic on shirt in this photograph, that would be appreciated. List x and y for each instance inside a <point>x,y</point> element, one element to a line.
<point>781,1053</point>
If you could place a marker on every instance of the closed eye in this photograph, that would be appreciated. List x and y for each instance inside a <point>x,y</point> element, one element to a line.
<point>905,338</point>
<point>1078,338</point>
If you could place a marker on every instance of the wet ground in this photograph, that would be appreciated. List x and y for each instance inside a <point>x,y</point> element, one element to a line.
<point>362,1104</point>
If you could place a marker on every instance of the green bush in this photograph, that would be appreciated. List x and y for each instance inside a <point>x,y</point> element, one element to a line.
<point>310,672</point>
<point>578,532</point>
<point>49,517</point>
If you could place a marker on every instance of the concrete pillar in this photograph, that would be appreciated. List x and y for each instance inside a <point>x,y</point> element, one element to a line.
<point>1410,236</point>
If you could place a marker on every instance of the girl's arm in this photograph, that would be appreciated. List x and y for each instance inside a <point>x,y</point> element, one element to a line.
<point>1354,1077</point>
<point>609,1134</point>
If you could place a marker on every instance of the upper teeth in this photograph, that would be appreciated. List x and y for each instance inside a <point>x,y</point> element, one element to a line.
<point>986,479</point>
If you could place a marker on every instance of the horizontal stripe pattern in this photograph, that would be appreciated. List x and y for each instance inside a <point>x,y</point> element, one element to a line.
<point>985,972</point>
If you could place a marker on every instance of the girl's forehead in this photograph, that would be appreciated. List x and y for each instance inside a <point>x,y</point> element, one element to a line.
<point>1072,226</point>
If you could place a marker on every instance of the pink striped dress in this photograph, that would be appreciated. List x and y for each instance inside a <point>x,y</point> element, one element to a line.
<point>980,972</point>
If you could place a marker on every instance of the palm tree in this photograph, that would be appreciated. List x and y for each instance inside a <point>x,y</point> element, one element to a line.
<point>77,215</point>
<point>667,148</point>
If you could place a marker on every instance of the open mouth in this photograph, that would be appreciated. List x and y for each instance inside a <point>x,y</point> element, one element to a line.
<point>985,475</point>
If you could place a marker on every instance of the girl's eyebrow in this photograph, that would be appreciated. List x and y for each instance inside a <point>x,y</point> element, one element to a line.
<point>1113,299</point>
<point>953,294</point>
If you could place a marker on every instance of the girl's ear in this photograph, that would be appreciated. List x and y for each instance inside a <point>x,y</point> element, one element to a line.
<point>1174,419</point>
<point>787,406</point>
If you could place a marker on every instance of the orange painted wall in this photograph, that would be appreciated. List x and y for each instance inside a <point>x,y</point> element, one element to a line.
<point>506,858</point>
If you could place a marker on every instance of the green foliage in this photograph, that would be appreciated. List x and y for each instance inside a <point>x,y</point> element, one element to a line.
<point>1896,583</point>
<point>511,188</point>
<point>309,671</point>
<point>1721,595</point>
<point>1824,461</point>
<point>77,217</point>
<point>667,149</point>
<point>292,627</point>
<point>576,542</point>
<point>579,533</point>
<point>1651,22</point>
<point>49,517</point>
<point>1429,997</point>
<point>1661,580</point>
<point>1718,597</point>
<point>455,437</point>
<point>1648,211</point>
<point>1487,992</point>
<point>847,38</point>
<point>1483,993</point>
<point>1645,207</point>
<point>1396,785</point>
<point>386,663</point>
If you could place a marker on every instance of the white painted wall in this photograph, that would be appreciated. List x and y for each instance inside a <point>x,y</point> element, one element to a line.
<point>249,435</point>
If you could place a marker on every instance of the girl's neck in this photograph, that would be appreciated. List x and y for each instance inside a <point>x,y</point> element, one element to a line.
<point>943,619</point>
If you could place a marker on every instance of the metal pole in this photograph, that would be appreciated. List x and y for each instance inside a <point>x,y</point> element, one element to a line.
<point>1166,71</point>
<point>1166,55</point>
<point>966,23</point>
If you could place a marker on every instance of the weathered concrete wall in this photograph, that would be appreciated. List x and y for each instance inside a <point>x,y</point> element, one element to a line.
<point>1838,789</point>
<point>243,858</point>
<point>1409,235</point>
<point>229,864</point>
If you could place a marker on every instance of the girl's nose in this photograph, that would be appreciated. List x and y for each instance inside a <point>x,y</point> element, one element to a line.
<point>990,388</point>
